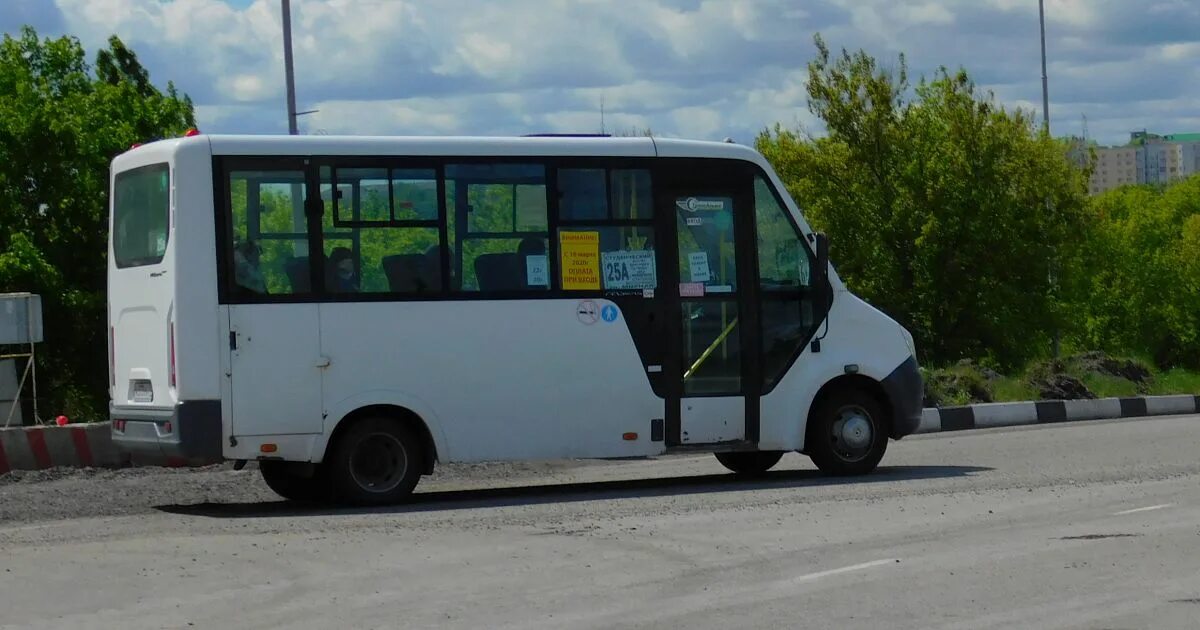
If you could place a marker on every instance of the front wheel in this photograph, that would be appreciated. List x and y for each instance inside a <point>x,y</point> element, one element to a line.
<point>847,433</point>
<point>375,462</point>
<point>749,462</point>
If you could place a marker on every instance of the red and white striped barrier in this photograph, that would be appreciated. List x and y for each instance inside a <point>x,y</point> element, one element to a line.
<point>70,445</point>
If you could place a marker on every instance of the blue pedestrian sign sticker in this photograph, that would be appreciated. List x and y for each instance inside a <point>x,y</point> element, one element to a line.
<point>608,313</point>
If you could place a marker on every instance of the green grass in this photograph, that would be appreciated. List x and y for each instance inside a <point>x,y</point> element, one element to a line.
<point>1175,381</point>
<point>953,385</point>
<point>1013,389</point>
<point>1104,386</point>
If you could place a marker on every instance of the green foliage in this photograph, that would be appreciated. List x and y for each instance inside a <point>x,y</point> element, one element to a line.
<point>1138,286</point>
<point>935,200</point>
<point>61,123</point>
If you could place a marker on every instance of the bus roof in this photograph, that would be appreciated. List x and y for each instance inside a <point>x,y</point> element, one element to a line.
<point>465,145</point>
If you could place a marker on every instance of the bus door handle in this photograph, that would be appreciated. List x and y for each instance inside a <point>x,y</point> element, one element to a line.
<point>323,362</point>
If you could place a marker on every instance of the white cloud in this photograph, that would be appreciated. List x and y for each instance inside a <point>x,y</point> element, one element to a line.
<point>699,68</point>
<point>409,117</point>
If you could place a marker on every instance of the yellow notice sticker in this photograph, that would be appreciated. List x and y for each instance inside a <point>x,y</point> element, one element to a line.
<point>580,260</point>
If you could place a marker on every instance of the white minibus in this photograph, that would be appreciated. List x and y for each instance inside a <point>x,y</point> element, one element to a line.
<point>350,312</point>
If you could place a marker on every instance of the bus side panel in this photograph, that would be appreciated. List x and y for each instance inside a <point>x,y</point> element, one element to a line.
<point>857,334</point>
<point>507,379</point>
<point>197,327</point>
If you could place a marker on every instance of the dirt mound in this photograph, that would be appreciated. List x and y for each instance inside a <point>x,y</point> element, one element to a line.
<point>984,371</point>
<point>1061,387</point>
<point>1101,363</point>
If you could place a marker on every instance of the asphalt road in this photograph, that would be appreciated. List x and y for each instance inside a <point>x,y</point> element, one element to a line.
<point>1092,525</point>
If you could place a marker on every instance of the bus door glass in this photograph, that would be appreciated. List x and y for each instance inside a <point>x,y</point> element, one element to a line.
<point>706,212</point>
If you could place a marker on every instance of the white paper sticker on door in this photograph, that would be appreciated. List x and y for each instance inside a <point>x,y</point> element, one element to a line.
<point>698,265</point>
<point>537,272</point>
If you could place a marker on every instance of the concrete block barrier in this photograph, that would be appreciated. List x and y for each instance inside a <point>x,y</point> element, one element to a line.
<point>73,445</point>
<point>1094,409</point>
<point>1004,414</point>
<point>1166,405</point>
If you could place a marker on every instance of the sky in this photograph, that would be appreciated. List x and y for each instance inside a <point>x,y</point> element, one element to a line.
<point>706,69</point>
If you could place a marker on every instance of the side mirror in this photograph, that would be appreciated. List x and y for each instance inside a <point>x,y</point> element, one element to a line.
<point>822,276</point>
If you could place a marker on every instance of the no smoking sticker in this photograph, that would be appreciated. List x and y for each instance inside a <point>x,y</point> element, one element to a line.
<point>587,312</point>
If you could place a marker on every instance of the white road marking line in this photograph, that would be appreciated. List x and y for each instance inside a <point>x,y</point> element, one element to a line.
<point>1143,509</point>
<point>856,567</point>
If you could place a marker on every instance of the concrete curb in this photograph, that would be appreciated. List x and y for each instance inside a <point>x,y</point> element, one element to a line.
<point>73,445</point>
<point>991,415</point>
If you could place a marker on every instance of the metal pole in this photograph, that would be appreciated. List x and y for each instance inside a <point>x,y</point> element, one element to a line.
<point>32,355</point>
<point>1046,127</point>
<point>1045,80</point>
<point>287,63</point>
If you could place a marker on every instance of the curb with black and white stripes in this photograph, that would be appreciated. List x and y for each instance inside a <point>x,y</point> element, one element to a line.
<point>992,415</point>
<point>87,445</point>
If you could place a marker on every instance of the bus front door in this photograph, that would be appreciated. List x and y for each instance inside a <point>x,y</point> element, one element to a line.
<point>706,221</point>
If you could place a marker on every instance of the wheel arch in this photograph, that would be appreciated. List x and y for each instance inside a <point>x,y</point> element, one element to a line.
<point>402,414</point>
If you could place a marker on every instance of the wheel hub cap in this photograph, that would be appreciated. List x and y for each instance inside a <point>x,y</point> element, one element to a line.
<point>852,433</point>
<point>379,463</point>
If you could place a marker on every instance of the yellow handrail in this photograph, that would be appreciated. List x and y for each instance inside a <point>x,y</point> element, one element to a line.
<point>713,346</point>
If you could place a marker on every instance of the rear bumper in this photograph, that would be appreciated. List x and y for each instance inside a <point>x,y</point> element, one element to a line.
<point>906,392</point>
<point>189,430</point>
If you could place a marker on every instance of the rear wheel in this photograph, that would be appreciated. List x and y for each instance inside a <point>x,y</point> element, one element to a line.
<point>377,461</point>
<point>288,483</point>
<point>847,434</point>
<point>749,462</point>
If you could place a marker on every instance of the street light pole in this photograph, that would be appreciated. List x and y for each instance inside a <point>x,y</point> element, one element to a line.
<point>1046,126</point>
<point>287,64</point>
<point>1045,81</point>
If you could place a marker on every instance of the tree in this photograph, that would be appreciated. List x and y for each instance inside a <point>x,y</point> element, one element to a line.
<point>935,200</point>
<point>1139,285</point>
<point>61,123</point>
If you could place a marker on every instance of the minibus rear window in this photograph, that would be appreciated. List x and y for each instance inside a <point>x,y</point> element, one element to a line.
<point>141,207</point>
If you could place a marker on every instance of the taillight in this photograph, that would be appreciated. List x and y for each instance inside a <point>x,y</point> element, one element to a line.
<point>171,368</point>
<point>191,132</point>
<point>112,357</point>
<point>119,425</point>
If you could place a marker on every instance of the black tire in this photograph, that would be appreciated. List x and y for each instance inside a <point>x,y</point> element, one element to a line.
<point>749,462</point>
<point>287,483</point>
<point>841,450</point>
<point>377,461</point>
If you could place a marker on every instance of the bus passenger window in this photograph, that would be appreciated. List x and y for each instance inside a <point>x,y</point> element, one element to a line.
<point>497,227</point>
<point>269,246</point>
<point>380,229</point>
<point>607,239</point>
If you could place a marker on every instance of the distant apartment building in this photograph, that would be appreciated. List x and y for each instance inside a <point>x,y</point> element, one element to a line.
<point>1147,159</point>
